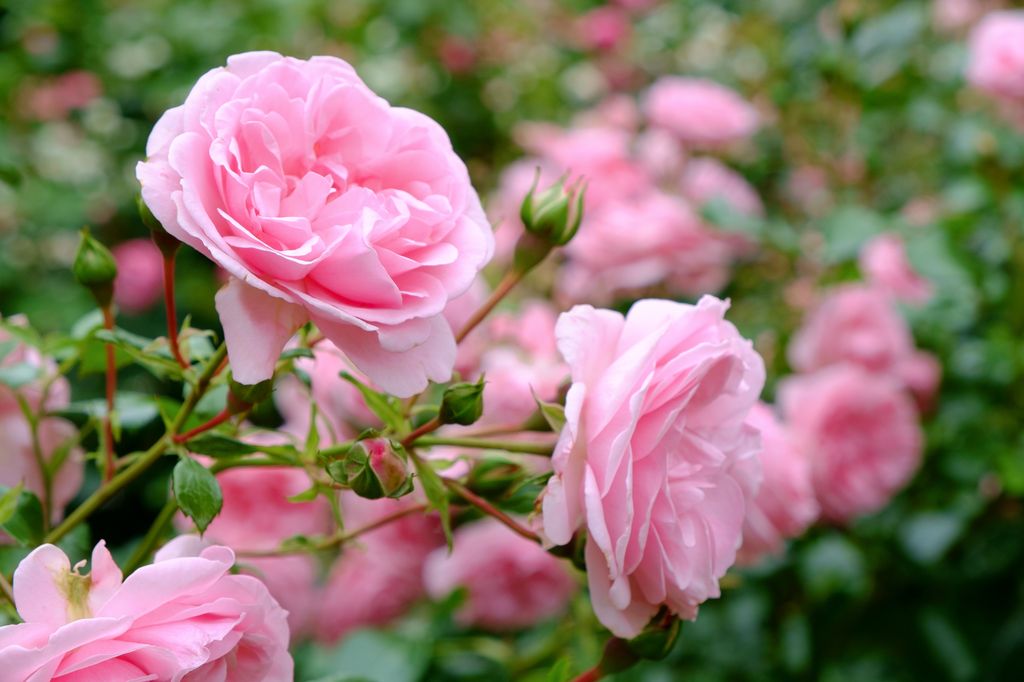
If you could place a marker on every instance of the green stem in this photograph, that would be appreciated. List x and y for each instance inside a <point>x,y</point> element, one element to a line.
<point>152,537</point>
<point>485,444</point>
<point>37,452</point>
<point>146,460</point>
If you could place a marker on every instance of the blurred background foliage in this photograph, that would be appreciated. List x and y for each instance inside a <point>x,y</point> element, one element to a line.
<point>865,104</point>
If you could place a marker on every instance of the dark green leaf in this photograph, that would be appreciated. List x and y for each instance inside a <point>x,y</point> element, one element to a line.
<point>197,492</point>
<point>219,445</point>
<point>437,494</point>
<point>25,524</point>
<point>384,406</point>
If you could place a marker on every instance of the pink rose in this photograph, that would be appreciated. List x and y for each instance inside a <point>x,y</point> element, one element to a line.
<point>883,260</point>
<point>640,242</point>
<point>55,98</point>
<point>380,575</point>
<point>860,432</point>
<point>921,373</point>
<point>652,461</point>
<point>18,463</point>
<point>699,111</point>
<point>140,275</point>
<point>854,323</point>
<point>706,179</point>
<point>996,55</point>
<point>785,504</point>
<point>183,617</point>
<point>326,204</point>
<point>510,582</point>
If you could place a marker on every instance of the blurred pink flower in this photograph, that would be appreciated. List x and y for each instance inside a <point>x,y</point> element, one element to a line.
<point>861,435</point>
<point>140,275</point>
<point>853,323</point>
<point>808,187</point>
<point>55,98</point>
<point>510,582</point>
<point>603,28</point>
<point>953,15</point>
<point>183,617</point>
<point>18,463</point>
<point>921,373</point>
<point>457,55</point>
<point>325,204</point>
<point>785,504</point>
<point>651,461</point>
<point>996,55</point>
<point>699,111</point>
<point>379,575</point>
<point>884,263</point>
<point>705,179</point>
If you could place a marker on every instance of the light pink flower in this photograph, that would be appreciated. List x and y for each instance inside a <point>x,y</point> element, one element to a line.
<point>996,55</point>
<point>785,504</point>
<point>860,432</point>
<point>706,179</point>
<point>640,242</point>
<point>184,617</point>
<point>324,203</point>
<point>854,323</point>
<point>378,577</point>
<point>884,263</point>
<point>510,582</point>
<point>921,373</point>
<point>55,98</point>
<point>18,463</point>
<point>140,275</point>
<point>951,15</point>
<point>699,111</point>
<point>651,462</point>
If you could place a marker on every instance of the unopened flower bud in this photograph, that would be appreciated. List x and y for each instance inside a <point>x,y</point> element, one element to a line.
<point>658,638</point>
<point>553,214</point>
<point>375,468</point>
<point>462,403</point>
<point>165,242</point>
<point>95,268</point>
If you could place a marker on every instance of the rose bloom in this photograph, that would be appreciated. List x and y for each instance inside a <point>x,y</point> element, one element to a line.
<point>641,242</point>
<point>140,275</point>
<point>996,55</point>
<point>510,582</point>
<point>699,111</point>
<point>860,432</point>
<point>705,179</point>
<point>859,324</point>
<point>380,575</point>
<point>785,504</point>
<point>324,203</point>
<point>18,462</point>
<point>653,459</point>
<point>183,617</point>
<point>257,515</point>
<point>883,260</point>
<point>603,28</point>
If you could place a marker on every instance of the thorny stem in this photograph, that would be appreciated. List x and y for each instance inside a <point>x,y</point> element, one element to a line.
<point>146,460</point>
<point>172,313</point>
<point>489,509</point>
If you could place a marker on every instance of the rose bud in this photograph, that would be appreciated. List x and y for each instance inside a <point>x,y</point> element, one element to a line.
<point>376,467</point>
<point>95,268</point>
<point>555,213</point>
<point>462,403</point>
<point>165,242</point>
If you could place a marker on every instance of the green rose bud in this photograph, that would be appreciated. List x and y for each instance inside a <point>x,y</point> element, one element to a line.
<point>462,403</point>
<point>375,468</point>
<point>95,268</point>
<point>244,396</point>
<point>553,214</point>
<point>658,638</point>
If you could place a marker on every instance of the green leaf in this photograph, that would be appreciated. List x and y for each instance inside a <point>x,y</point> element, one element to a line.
<point>25,524</point>
<point>553,413</point>
<point>134,410</point>
<point>219,445</point>
<point>293,353</point>
<point>561,671</point>
<point>9,502</point>
<point>384,406</point>
<point>197,492</point>
<point>437,494</point>
<point>846,230</point>
<point>153,355</point>
<point>19,374</point>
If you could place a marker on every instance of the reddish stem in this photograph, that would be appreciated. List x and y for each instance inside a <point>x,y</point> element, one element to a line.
<point>489,509</point>
<point>422,430</point>
<point>108,424</point>
<point>172,312</point>
<point>504,286</point>
<point>224,415</point>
